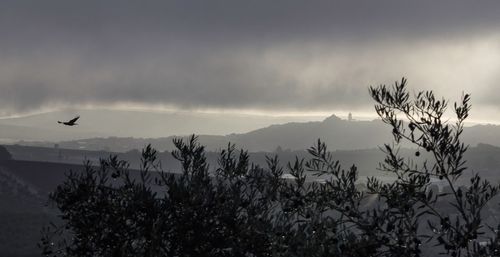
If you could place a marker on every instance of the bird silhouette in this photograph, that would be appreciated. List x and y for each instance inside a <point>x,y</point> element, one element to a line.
<point>70,122</point>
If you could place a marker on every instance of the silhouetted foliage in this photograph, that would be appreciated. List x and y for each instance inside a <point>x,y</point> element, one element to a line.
<point>4,154</point>
<point>241,209</point>
<point>425,127</point>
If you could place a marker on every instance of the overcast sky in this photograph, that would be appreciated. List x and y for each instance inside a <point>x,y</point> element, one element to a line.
<point>263,56</point>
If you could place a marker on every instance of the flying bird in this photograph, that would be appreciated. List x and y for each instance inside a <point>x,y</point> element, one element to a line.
<point>70,122</point>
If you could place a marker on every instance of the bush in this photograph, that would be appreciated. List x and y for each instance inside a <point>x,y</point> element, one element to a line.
<point>241,209</point>
<point>5,154</point>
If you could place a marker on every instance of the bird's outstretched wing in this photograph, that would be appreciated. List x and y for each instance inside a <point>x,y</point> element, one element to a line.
<point>74,119</point>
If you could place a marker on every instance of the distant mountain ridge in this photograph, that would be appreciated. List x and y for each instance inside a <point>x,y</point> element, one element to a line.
<point>337,133</point>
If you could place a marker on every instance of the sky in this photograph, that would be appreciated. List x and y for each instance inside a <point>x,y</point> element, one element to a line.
<point>265,57</point>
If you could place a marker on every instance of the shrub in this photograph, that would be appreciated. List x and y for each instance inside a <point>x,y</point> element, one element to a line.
<point>242,209</point>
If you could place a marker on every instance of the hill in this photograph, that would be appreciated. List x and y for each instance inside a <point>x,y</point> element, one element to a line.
<point>339,134</point>
<point>24,187</point>
<point>483,158</point>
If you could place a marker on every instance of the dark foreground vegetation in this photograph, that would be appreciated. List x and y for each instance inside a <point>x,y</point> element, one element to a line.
<point>241,209</point>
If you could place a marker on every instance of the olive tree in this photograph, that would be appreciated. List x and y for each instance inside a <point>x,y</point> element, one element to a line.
<point>241,209</point>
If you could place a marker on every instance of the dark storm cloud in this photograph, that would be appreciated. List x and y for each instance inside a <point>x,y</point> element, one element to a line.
<point>253,21</point>
<point>288,55</point>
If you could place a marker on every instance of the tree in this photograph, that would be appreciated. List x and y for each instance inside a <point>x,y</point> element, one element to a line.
<point>241,209</point>
<point>426,128</point>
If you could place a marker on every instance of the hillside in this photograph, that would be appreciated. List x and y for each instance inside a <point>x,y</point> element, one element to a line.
<point>482,158</point>
<point>24,209</point>
<point>339,134</point>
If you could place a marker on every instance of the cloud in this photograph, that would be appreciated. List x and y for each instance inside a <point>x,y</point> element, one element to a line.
<point>266,55</point>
